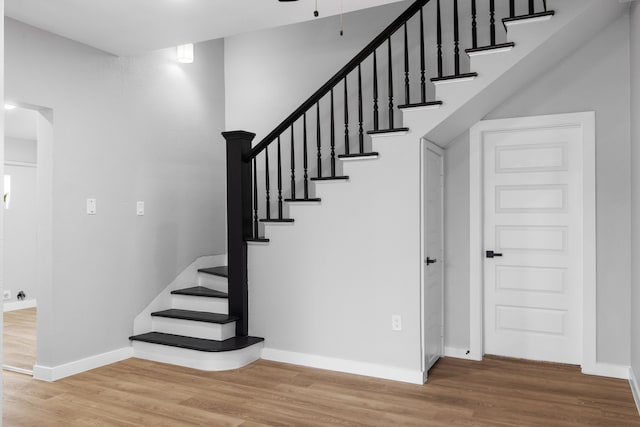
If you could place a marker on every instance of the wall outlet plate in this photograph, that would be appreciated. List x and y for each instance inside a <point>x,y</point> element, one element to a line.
<point>396,322</point>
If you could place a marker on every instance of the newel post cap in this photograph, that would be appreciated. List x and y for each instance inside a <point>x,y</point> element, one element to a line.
<point>238,135</point>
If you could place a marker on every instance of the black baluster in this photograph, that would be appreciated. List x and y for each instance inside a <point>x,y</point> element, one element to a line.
<point>456,38</point>
<point>266,181</point>
<point>376,122</point>
<point>492,20</point>
<point>512,8</point>
<point>319,141</point>
<point>423,87</point>
<point>333,139</point>
<point>346,117</point>
<point>255,199</point>
<point>544,5</point>
<point>532,7</point>
<point>279,182</point>
<point>360,114</point>
<point>439,41</point>
<point>293,166</point>
<point>474,25</point>
<point>406,67</point>
<point>390,60</point>
<point>305,162</point>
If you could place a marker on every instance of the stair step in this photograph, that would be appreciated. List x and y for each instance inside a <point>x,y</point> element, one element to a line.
<point>421,104</point>
<point>329,178</point>
<point>315,199</point>
<point>357,155</point>
<point>379,131</point>
<point>465,76</point>
<point>221,271</point>
<point>501,46</point>
<point>277,220</point>
<point>257,240</point>
<point>197,316</point>
<point>198,344</point>
<point>534,16</point>
<point>200,291</point>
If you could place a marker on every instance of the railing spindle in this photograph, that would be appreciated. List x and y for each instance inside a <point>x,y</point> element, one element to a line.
<point>406,67</point>
<point>532,8</point>
<point>376,122</point>
<point>423,80</point>
<point>456,38</point>
<point>492,20</point>
<point>255,199</point>
<point>360,113</point>
<point>512,8</point>
<point>544,5</point>
<point>305,161</point>
<point>333,139</point>
<point>266,181</point>
<point>346,117</point>
<point>439,40</point>
<point>279,182</point>
<point>293,166</point>
<point>319,140</point>
<point>390,61</point>
<point>474,25</point>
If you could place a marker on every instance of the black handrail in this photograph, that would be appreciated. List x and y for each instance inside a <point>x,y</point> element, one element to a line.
<point>337,78</point>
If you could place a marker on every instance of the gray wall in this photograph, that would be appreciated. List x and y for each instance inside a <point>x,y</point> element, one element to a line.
<point>20,150</point>
<point>125,129</point>
<point>635,187</point>
<point>595,78</point>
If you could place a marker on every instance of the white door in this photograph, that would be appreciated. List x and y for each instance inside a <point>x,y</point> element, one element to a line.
<point>533,224</point>
<point>433,262</point>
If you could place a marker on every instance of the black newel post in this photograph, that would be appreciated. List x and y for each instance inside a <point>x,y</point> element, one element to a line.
<point>239,223</point>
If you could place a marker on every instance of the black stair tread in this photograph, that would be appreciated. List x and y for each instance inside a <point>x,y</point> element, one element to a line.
<point>258,240</point>
<point>277,220</point>
<point>221,271</point>
<point>420,104</point>
<point>329,178</point>
<point>200,291</point>
<point>375,132</point>
<point>356,155</point>
<point>532,16</point>
<point>314,199</point>
<point>490,47</point>
<point>199,344</point>
<point>454,77</point>
<point>198,316</point>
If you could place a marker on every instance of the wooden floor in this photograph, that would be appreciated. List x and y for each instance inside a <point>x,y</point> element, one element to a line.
<point>19,338</point>
<point>495,392</point>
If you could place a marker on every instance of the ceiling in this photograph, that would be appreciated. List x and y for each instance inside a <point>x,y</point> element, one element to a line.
<point>130,27</point>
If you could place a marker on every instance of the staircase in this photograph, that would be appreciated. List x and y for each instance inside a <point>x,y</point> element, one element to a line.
<point>322,226</point>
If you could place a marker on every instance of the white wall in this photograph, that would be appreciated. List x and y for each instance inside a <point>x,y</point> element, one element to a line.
<point>125,129</point>
<point>20,150</point>
<point>2,66</point>
<point>635,187</point>
<point>595,78</point>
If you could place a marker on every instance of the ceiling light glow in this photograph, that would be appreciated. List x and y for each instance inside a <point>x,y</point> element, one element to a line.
<point>9,107</point>
<point>186,53</point>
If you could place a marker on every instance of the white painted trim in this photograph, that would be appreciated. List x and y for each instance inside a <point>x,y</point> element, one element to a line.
<point>54,373</point>
<point>527,21</point>
<point>490,51</point>
<point>457,353</point>
<point>389,134</point>
<point>448,81</point>
<point>309,203</point>
<point>606,370</point>
<point>343,365</point>
<point>17,370</point>
<point>586,120</point>
<point>258,243</point>
<point>18,305</point>
<point>635,388</point>
<point>21,164</point>
<point>423,107</point>
<point>358,159</point>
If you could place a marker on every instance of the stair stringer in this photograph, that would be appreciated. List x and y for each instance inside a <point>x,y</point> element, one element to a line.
<point>539,45</point>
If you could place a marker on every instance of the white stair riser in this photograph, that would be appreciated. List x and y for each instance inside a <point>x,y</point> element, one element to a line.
<point>198,359</point>
<point>193,303</point>
<point>190,328</point>
<point>212,281</point>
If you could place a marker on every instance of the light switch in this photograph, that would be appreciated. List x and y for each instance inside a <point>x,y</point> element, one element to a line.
<point>140,208</point>
<point>91,206</point>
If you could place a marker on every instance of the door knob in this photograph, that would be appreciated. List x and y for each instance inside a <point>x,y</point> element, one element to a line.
<point>430,261</point>
<point>491,254</point>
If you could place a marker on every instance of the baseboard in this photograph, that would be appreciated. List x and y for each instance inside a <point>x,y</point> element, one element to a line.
<point>46,373</point>
<point>18,305</point>
<point>458,353</point>
<point>635,388</point>
<point>606,370</point>
<point>343,365</point>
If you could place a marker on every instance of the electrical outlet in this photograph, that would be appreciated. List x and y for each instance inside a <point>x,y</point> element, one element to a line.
<point>91,207</point>
<point>140,208</point>
<point>396,322</point>
<point>6,295</point>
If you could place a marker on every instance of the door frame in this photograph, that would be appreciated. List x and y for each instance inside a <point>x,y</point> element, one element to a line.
<point>584,121</point>
<point>424,145</point>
